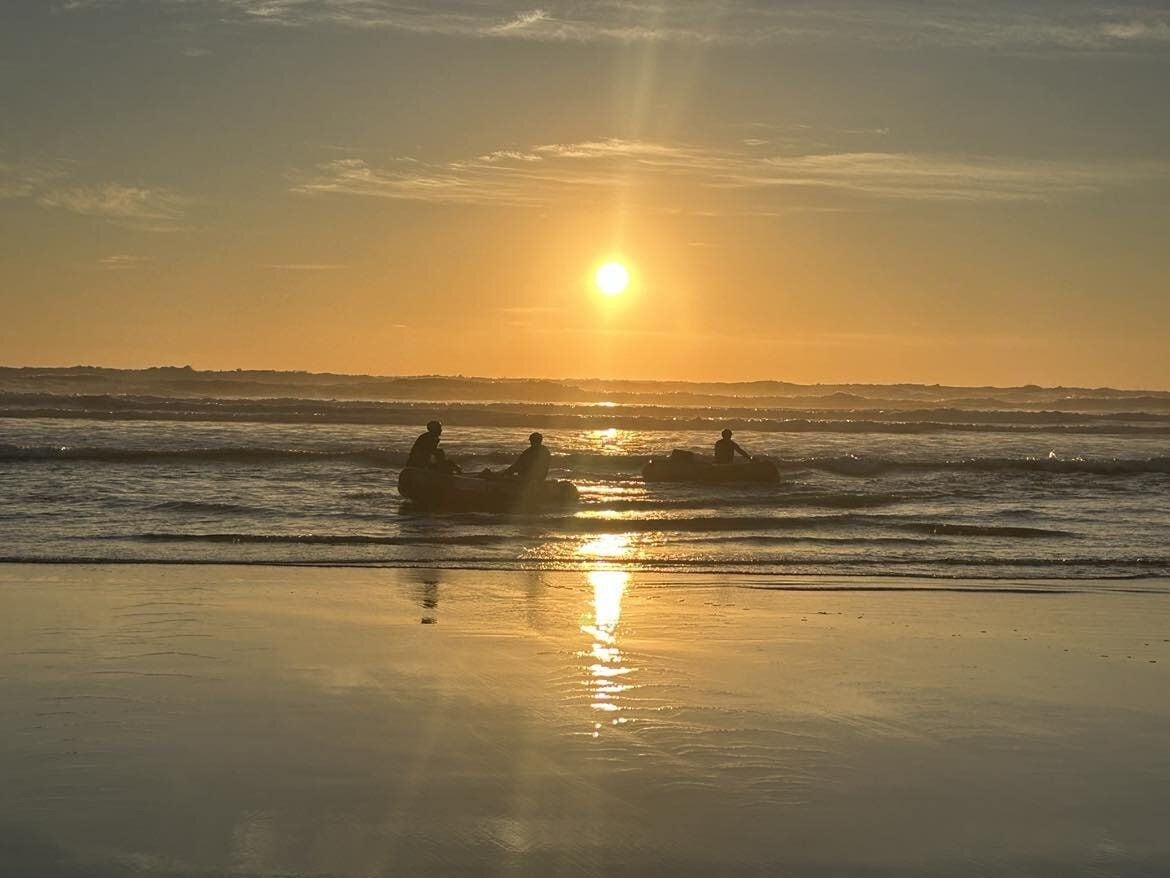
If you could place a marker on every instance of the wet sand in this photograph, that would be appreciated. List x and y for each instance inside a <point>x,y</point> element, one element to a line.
<point>191,721</point>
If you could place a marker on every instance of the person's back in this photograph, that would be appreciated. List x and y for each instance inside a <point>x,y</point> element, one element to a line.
<point>726,448</point>
<point>423,450</point>
<point>533,463</point>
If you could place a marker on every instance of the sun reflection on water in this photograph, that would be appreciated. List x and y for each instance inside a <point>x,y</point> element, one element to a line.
<point>607,546</point>
<point>609,440</point>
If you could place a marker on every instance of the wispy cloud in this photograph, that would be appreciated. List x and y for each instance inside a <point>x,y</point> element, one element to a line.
<point>706,180</point>
<point>528,310</point>
<point>121,262</point>
<point>49,183</point>
<point>133,206</point>
<point>523,21</point>
<point>305,266</point>
<point>23,179</point>
<point>940,178</point>
<point>1019,24</point>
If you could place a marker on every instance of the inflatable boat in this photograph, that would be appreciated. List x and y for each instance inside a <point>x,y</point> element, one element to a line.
<point>441,492</point>
<point>686,466</point>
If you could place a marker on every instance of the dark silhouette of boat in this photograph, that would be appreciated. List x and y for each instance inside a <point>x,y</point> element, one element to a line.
<point>443,492</point>
<point>686,466</point>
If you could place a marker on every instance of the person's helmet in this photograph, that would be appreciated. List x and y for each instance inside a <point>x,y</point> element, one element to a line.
<point>434,427</point>
<point>535,439</point>
<point>726,434</point>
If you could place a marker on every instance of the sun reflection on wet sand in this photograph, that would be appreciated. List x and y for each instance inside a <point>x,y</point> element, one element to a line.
<point>607,669</point>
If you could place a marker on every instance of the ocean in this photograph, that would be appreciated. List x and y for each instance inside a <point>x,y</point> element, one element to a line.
<point>1041,488</point>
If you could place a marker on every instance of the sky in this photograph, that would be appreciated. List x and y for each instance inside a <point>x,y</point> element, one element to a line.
<point>840,190</point>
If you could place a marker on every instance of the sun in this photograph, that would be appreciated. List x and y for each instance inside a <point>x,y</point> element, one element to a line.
<point>612,279</point>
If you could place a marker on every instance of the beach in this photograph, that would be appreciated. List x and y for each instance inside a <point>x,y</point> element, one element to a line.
<point>260,721</point>
<point>584,440</point>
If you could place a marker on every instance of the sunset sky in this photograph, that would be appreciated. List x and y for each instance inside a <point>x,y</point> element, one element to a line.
<point>838,190</point>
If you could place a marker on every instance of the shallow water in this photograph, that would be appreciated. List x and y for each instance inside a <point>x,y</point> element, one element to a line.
<point>1028,495</point>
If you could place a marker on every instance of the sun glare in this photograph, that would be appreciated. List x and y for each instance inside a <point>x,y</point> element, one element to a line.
<point>612,278</point>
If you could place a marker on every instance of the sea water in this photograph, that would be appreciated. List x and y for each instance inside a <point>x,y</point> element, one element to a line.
<point>990,489</point>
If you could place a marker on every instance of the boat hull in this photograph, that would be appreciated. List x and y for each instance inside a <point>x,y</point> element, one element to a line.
<point>455,493</point>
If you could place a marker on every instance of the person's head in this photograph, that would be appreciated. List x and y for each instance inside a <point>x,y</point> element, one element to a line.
<point>434,427</point>
<point>726,434</point>
<point>535,439</point>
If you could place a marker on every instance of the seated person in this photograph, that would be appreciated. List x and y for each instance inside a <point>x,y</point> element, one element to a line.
<point>532,464</point>
<point>422,453</point>
<point>726,449</point>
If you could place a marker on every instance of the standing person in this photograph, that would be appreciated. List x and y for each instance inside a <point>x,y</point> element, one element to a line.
<point>531,467</point>
<point>726,449</point>
<point>422,453</point>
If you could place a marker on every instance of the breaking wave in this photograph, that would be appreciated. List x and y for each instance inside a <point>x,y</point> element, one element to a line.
<point>583,463</point>
<point>851,414</point>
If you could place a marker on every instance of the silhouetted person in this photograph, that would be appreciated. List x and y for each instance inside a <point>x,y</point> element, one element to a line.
<point>422,453</point>
<point>726,449</point>
<point>532,464</point>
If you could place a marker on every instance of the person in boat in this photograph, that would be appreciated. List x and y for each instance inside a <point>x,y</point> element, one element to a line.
<point>726,449</point>
<point>531,467</point>
<point>423,452</point>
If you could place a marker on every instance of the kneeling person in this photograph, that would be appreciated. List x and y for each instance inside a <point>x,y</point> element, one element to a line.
<point>426,447</point>
<point>726,449</point>
<point>532,465</point>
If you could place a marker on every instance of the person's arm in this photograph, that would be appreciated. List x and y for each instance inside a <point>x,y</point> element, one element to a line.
<point>517,464</point>
<point>741,451</point>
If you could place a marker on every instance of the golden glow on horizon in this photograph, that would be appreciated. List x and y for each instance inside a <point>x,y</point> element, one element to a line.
<point>612,279</point>
<point>695,216</point>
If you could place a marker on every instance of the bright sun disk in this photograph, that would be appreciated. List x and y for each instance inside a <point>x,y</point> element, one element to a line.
<point>612,278</point>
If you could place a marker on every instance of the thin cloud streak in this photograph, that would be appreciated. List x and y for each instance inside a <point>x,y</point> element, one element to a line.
<point>690,178</point>
<point>305,266</point>
<point>23,179</point>
<point>132,206</point>
<point>1025,25</point>
<point>46,182</point>
<point>121,262</point>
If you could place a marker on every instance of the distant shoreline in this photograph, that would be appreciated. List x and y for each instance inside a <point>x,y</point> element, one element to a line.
<point>659,383</point>
<point>184,381</point>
